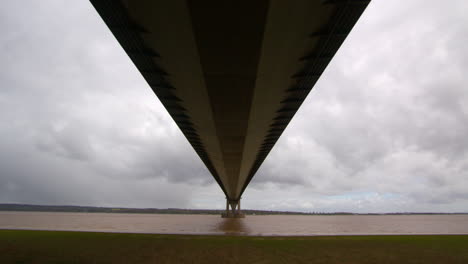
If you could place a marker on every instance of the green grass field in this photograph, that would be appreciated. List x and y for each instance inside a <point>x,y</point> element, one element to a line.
<point>18,246</point>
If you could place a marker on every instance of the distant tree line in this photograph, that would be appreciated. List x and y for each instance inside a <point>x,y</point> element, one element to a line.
<point>92,209</point>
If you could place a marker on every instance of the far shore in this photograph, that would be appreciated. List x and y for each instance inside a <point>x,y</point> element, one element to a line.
<point>272,235</point>
<point>5,207</point>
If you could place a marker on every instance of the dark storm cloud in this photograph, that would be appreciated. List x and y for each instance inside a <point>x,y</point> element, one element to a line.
<point>383,130</point>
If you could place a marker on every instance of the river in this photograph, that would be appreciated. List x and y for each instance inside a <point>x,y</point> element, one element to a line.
<point>262,225</point>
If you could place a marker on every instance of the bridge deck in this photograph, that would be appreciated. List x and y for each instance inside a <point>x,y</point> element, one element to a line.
<point>232,74</point>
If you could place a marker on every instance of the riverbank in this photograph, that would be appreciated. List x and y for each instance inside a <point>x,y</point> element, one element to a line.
<point>21,246</point>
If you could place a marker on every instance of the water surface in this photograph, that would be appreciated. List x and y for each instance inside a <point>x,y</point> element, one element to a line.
<point>282,225</point>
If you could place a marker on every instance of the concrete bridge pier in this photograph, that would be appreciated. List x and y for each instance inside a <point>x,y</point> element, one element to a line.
<point>235,211</point>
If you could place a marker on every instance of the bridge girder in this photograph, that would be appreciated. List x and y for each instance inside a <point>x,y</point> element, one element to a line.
<point>232,74</point>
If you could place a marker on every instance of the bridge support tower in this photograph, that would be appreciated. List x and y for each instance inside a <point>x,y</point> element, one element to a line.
<point>234,211</point>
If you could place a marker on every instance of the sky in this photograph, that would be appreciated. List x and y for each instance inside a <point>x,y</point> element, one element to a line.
<point>384,129</point>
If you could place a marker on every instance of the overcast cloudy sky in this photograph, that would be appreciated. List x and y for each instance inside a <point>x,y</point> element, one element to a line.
<point>385,128</point>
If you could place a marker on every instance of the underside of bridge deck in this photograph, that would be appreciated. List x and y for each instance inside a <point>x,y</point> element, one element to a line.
<point>232,74</point>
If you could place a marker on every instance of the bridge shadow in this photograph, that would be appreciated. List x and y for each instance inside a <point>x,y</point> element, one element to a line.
<point>233,226</point>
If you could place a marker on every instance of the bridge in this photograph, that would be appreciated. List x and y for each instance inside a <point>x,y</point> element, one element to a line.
<point>232,74</point>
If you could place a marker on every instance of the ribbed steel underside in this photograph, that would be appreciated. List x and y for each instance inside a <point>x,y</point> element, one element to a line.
<point>239,50</point>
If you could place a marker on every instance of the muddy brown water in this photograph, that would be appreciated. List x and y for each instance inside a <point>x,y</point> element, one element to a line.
<point>264,225</point>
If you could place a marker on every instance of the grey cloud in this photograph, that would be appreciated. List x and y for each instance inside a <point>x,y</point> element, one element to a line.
<point>73,104</point>
<point>389,112</point>
<point>383,130</point>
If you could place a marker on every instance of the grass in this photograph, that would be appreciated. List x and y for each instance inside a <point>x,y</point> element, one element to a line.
<point>20,246</point>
